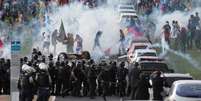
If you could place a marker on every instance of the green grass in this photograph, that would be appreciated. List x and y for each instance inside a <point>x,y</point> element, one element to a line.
<point>183,66</point>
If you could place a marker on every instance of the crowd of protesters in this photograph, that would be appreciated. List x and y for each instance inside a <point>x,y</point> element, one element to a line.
<point>180,37</point>
<point>146,7</point>
<point>22,11</point>
<point>15,12</point>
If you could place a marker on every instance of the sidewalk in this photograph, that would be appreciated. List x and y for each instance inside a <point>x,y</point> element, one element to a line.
<point>4,98</point>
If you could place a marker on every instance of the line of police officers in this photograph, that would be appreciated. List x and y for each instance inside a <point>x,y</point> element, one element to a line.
<point>4,76</point>
<point>81,78</point>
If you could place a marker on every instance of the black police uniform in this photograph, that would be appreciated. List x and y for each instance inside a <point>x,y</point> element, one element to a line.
<point>122,83</point>
<point>6,87</point>
<point>52,71</point>
<point>134,76</point>
<point>157,84</point>
<point>92,81</point>
<point>44,84</point>
<point>25,87</point>
<point>104,77</point>
<point>66,79</point>
<point>59,78</point>
<point>113,74</point>
<point>79,75</point>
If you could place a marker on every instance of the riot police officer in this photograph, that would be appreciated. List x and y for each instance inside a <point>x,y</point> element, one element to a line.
<point>1,76</point>
<point>59,78</point>
<point>79,77</point>
<point>100,69</point>
<point>113,74</point>
<point>44,82</point>
<point>121,77</point>
<point>134,77</point>
<point>66,79</point>
<point>157,84</point>
<point>6,87</point>
<point>92,80</point>
<point>26,83</point>
<point>52,71</point>
<point>85,70</point>
<point>104,78</point>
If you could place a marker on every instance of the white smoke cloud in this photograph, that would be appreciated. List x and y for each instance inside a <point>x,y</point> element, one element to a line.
<point>79,19</point>
<point>6,52</point>
<point>182,18</point>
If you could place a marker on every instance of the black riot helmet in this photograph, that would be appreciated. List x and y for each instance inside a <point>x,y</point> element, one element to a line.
<point>50,56</point>
<point>122,64</point>
<point>91,61</point>
<point>2,60</point>
<point>34,51</point>
<point>39,53</point>
<point>29,63</point>
<point>8,61</point>
<point>25,59</point>
<point>43,58</point>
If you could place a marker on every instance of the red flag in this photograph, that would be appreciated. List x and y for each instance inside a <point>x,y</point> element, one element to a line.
<point>135,31</point>
<point>107,51</point>
<point>1,44</point>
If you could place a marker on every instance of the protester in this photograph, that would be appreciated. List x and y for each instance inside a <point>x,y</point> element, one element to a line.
<point>183,39</point>
<point>174,34</point>
<point>46,42</point>
<point>167,32</point>
<point>198,38</point>
<point>191,28</point>
<point>79,41</point>
<point>97,40</point>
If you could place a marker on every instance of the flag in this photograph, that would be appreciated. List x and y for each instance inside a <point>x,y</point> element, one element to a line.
<point>135,31</point>
<point>1,44</point>
<point>107,51</point>
<point>62,33</point>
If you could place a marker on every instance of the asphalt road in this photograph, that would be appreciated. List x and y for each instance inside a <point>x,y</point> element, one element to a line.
<point>70,98</point>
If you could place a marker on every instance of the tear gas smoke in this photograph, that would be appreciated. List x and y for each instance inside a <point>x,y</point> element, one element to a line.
<point>166,49</point>
<point>5,51</point>
<point>182,18</point>
<point>160,19</point>
<point>187,57</point>
<point>78,19</point>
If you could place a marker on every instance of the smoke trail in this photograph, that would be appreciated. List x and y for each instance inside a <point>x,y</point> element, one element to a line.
<point>182,17</point>
<point>187,57</point>
<point>166,49</point>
